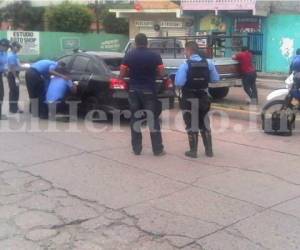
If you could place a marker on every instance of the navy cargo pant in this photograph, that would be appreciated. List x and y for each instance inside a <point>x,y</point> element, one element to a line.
<point>13,93</point>
<point>1,93</point>
<point>195,117</point>
<point>36,90</point>
<point>141,102</point>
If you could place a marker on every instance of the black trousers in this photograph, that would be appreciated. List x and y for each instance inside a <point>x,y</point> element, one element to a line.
<point>37,93</point>
<point>142,102</point>
<point>195,106</point>
<point>13,93</point>
<point>249,84</point>
<point>1,92</point>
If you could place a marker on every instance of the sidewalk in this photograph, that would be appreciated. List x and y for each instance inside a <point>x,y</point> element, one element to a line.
<point>270,81</point>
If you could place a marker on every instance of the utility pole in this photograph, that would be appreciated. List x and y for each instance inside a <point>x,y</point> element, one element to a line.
<point>97,16</point>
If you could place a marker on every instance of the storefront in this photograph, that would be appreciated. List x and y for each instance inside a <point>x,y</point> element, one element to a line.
<point>156,19</point>
<point>154,27</point>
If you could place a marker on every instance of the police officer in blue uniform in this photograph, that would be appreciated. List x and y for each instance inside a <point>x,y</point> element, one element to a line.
<point>37,78</point>
<point>14,67</point>
<point>143,66</point>
<point>4,46</point>
<point>295,65</point>
<point>58,90</point>
<point>193,77</point>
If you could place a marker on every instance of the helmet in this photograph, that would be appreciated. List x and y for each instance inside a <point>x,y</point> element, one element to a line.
<point>4,42</point>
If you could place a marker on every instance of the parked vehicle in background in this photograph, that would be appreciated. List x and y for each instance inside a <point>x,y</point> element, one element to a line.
<point>279,112</point>
<point>99,86</point>
<point>171,50</point>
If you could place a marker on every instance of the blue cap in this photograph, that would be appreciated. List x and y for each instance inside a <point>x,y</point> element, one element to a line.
<point>4,42</point>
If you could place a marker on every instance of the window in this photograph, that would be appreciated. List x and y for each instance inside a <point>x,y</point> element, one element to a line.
<point>66,59</point>
<point>80,64</point>
<point>89,68</point>
<point>167,48</point>
<point>113,63</point>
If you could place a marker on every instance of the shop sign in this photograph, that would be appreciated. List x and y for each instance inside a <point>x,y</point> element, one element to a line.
<point>162,24</point>
<point>171,24</point>
<point>141,23</point>
<point>112,45</point>
<point>29,40</point>
<point>70,43</point>
<point>247,24</point>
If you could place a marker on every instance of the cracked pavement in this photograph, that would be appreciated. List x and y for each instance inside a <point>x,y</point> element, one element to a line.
<point>85,190</point>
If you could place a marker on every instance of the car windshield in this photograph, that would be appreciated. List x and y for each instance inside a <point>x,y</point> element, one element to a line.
<point>113,63</point>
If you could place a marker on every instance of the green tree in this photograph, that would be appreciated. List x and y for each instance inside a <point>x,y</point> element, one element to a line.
<point>23,15</point>
<point>110,23</point>
<point>114,25</point>
<point>69,17</point>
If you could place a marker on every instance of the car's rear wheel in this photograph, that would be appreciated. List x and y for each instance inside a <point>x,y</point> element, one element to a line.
<point>218,93</point>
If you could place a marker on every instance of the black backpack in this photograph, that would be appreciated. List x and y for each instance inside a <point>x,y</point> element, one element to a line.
<point>197,75</point>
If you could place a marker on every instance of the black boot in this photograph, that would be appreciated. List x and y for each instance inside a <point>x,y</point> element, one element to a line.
<point>193,141</point>
<point>207,141</point>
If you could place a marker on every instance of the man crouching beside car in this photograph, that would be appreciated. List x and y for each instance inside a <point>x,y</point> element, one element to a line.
<point>58,89</point>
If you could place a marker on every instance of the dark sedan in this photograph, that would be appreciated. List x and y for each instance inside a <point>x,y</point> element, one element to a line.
<point>99,85</point>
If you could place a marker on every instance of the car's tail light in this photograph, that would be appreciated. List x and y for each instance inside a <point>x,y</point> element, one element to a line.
<point>168,83</point>
<point>116,83</point>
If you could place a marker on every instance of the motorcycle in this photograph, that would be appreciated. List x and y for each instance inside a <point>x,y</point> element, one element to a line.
<point>279,113</point>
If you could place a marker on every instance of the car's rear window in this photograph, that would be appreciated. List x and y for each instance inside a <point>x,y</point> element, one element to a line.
<point>113,63</point>
<point>166,48</point>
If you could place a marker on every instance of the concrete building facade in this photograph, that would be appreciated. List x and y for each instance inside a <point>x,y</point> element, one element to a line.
<point>274,24</point>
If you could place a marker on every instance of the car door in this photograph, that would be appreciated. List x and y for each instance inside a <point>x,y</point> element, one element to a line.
<point>67,60</point>
<point>80,69</point>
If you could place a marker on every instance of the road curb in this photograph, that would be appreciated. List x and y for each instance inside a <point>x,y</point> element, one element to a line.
<point>234,113</point>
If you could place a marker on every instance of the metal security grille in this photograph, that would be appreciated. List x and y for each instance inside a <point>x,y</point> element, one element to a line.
<point>255,44</point>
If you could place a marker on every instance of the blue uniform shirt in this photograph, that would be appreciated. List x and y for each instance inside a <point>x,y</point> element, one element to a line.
<point>58,89</point>
<point>296,93</point>
<point>181,75</point>
<point>3,61</point>
<point>13,61</point>
<point>295,65</point>
<point>44,66</point>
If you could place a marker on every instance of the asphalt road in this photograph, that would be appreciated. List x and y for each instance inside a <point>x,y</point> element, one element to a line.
<point>78,186</point>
